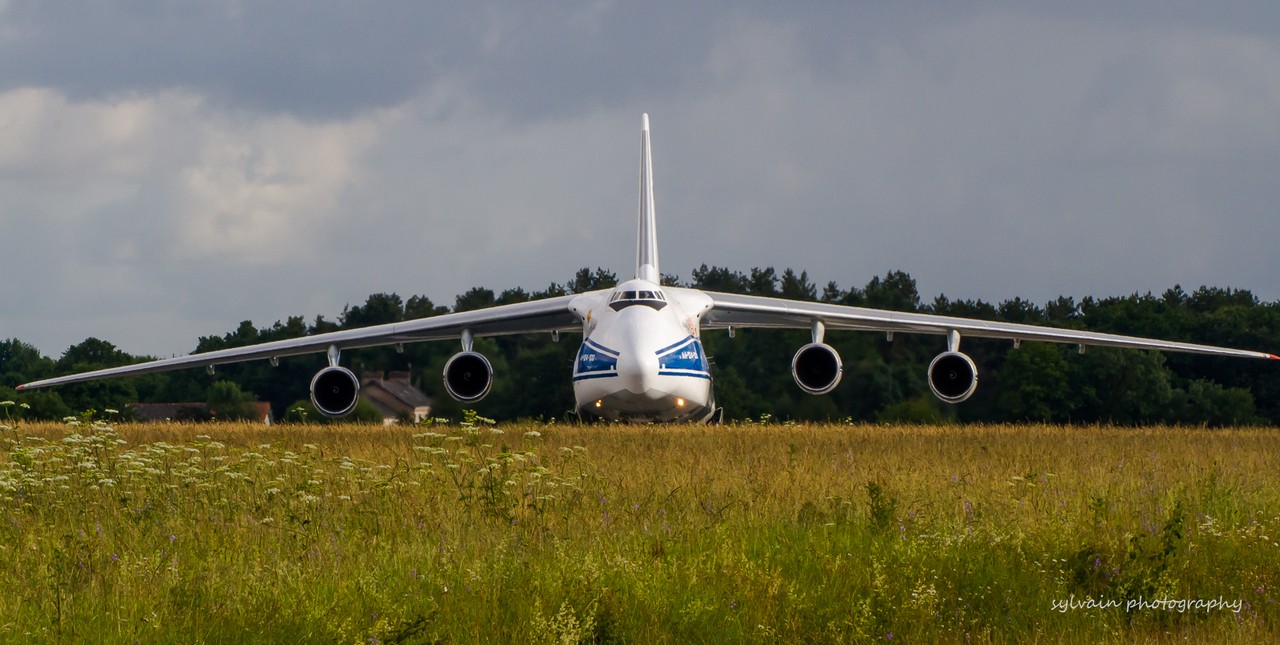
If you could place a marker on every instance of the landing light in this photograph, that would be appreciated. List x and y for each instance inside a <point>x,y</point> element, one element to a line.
<point>679,402</point>
<point>599,404</point>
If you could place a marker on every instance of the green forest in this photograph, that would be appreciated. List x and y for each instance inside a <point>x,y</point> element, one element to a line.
<point>884,379</point>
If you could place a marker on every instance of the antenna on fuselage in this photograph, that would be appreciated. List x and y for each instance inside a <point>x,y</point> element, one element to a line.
<point>647,244</point>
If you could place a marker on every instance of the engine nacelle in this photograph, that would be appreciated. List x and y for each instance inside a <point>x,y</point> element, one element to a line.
<point>816,368</point>
<point>334,391</point>
<point>468,376</point>
<point>953,377</point>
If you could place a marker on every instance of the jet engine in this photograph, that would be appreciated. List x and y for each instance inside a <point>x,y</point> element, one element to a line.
<point>816,368</point>
<point>953,377</point>
<point>334,391</point>
<point>468,376</point>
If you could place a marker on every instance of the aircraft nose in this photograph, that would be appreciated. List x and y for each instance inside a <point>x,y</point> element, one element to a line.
<point>638,369</point>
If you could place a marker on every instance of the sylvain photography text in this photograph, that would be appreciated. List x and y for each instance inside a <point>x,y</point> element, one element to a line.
<point>1180,605</point>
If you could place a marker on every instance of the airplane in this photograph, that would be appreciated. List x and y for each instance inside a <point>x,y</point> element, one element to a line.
<point>641,358</point>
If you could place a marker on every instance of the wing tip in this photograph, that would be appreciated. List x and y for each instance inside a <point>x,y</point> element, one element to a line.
<point>24,385</point>
<point>1273,357</point>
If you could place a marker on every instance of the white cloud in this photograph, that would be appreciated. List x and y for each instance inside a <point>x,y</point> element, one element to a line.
<point>58,143</point>
<point>237,187</point>
<point>261,190</point>
<point>116,200</point>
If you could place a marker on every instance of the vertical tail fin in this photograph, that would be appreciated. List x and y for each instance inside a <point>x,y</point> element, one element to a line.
<point>647,245</point>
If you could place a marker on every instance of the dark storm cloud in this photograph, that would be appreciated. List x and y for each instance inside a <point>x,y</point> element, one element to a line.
<point>317,58</point>
<point>332,59</point>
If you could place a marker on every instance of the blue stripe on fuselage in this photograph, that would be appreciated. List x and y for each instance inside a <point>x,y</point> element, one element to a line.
<point>684,358</point>
<point>595,361</point>
<point>600,348</point>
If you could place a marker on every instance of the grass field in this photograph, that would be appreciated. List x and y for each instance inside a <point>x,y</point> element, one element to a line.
<point>561,534</point>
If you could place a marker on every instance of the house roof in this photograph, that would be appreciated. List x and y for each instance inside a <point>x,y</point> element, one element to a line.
<point>402,391</point>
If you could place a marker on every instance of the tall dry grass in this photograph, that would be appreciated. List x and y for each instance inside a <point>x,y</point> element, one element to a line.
<point>556,533</point>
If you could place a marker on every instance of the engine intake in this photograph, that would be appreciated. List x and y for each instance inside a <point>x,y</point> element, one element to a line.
<point>334,391</point>
<point>468,376</point>
<point>953,377</point>
<point>816,368</point>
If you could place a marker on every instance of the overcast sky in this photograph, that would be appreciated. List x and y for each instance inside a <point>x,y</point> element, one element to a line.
<point>168,169</point>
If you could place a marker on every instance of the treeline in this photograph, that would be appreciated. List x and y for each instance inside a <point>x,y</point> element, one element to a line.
<point>884,380</point>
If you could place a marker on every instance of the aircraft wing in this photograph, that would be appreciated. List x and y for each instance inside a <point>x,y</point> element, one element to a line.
<point>732,310</point>
<point>549,315</point>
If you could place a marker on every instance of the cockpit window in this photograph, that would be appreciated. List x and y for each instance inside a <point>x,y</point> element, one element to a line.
<point>623,299</point>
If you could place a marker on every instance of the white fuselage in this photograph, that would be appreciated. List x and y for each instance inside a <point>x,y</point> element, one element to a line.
<point>641,357</point>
